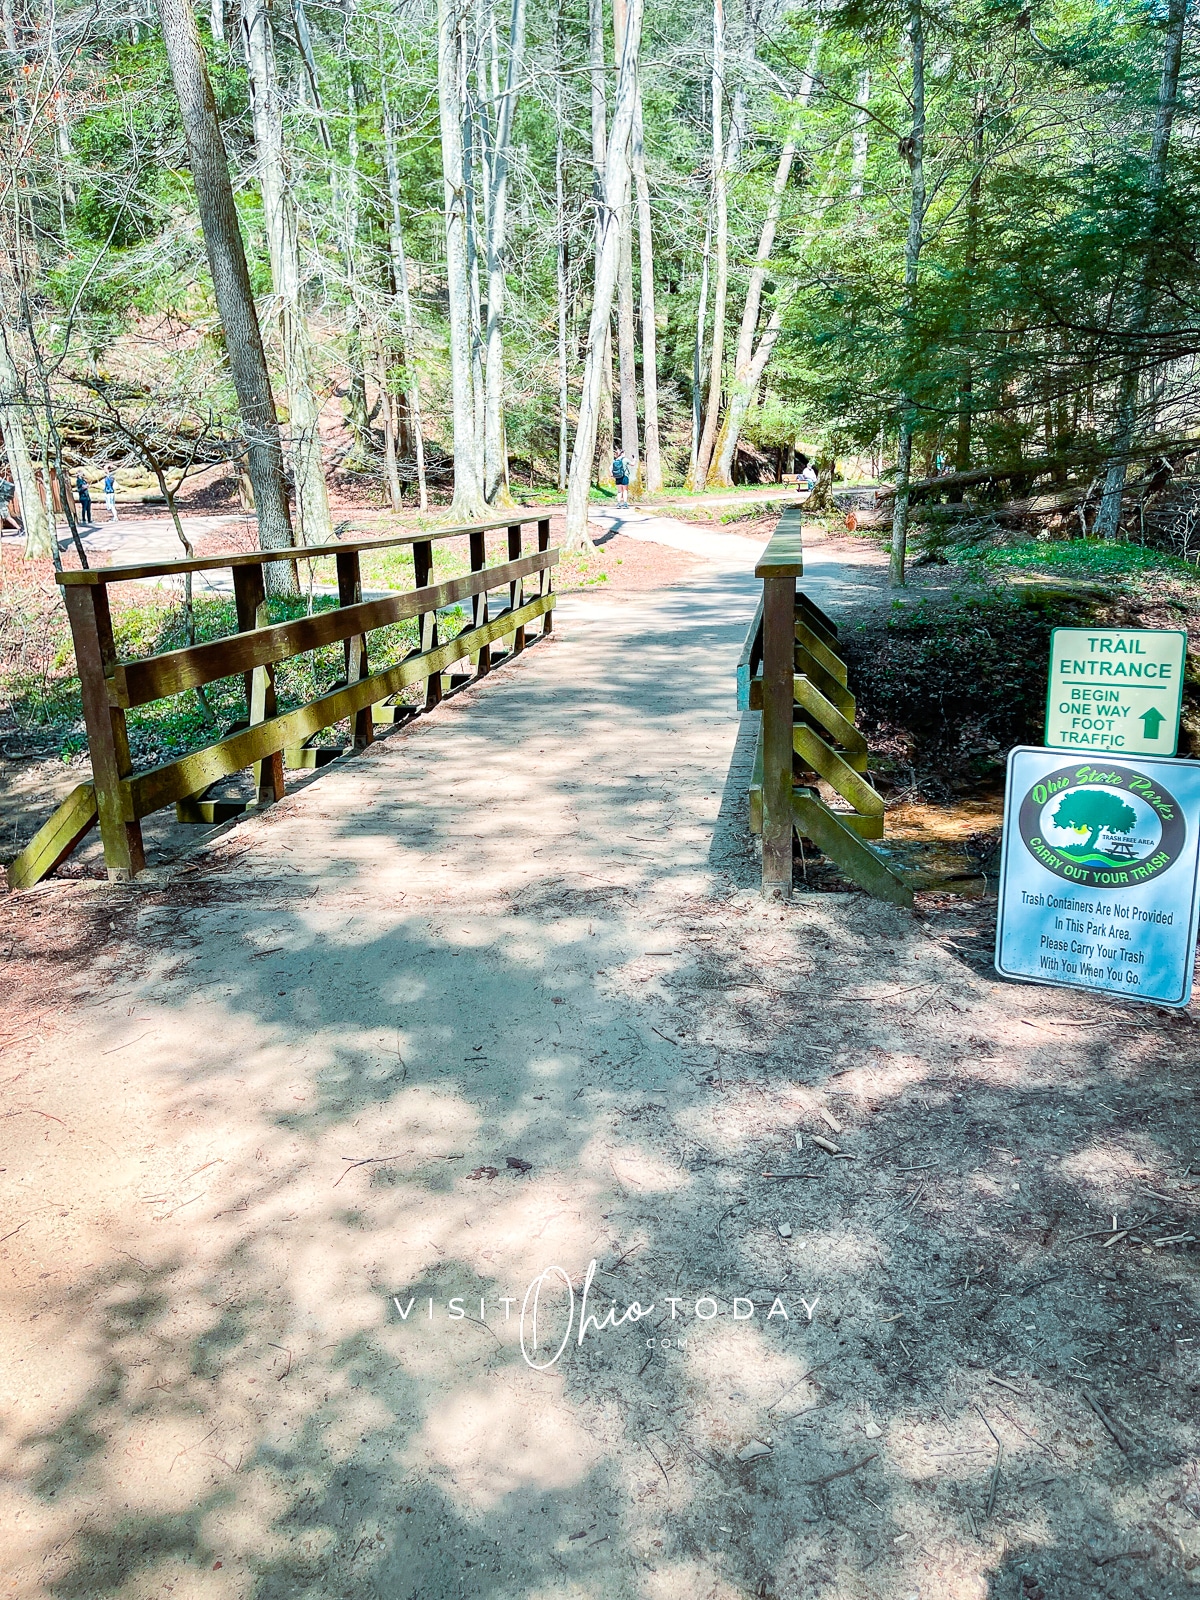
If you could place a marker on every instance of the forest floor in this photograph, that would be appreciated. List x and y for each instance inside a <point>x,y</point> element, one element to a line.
<point>295,1121</point>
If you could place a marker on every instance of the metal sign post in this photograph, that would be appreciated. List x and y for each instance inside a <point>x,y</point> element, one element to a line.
<point>1099,874</point>
<point>1115,689</point>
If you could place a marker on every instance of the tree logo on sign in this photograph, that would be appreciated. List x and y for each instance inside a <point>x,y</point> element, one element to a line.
<point>1100,828</point>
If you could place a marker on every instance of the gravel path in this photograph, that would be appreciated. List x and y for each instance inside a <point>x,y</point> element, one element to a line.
<point>293,1128</point>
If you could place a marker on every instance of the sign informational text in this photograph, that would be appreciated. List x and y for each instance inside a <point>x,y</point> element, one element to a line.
<point>1116,689</point>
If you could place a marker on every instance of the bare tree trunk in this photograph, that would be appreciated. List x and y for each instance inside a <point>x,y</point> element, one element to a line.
<point>279,217</point>
<point>1108,518</point>
<point>560,212</point>
<point>749,365</point>
<point>9,21</point>
<point>217,20</point>
<point>468,468</point>
<point>39,540</point>
<point>390,467</point>
<point>914,147</point>
<point>615,189</point>
<point>598,74</point>
<point>495,485</point>
<point>698,355</point>
<point>860,142</point>
<point>231,284</point>
<point>626,339</point>
<point>966,383</point>
<point>400,274</point>
<point>605,432</point>
<point>653,475</point>
<point>721,244</point>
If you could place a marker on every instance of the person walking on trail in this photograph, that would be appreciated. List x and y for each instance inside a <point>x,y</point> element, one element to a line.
<point>8,514</point>
<point>110,495</point>
<point>84,495</point>
<point>620,473</point>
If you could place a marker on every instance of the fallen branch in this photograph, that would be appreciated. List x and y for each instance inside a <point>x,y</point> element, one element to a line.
<point>846,1472</point>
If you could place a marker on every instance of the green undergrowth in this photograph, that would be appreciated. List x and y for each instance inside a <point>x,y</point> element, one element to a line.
<point>39,686</point>
<point>1094,559</point>
<point>953,672</point>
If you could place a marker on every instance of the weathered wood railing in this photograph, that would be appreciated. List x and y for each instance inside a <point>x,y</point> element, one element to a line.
<point>118,797</point>
<point>791,671</point>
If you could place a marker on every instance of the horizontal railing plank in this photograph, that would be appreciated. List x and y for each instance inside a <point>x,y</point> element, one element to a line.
<point>310,552</point>
<point>161,786</point>
<point>136,683</point>
<point>784,555</point>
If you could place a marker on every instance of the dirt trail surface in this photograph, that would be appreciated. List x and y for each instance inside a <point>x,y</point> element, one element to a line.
<point>291,1127</point>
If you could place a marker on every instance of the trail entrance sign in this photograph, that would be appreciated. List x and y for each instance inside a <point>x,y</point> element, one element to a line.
<point>1115,689</point>
<point>1099,874</point>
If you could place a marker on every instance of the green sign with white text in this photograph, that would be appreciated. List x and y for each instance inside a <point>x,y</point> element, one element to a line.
<point>1115,689</point>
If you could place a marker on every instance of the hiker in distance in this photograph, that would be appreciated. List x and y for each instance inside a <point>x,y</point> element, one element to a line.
<point>110,495</point>
<point>8,512</point>
<point>84,495</point>
<point>621,479</point>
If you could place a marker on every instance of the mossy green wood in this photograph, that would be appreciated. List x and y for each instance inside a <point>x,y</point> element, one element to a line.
<point>845,734</point>
<point>150,791</point>
<point>823,626</point>
<point>846,850</point>
<point>838,774</point>
<point>72,821</point>
<point>820,651</point>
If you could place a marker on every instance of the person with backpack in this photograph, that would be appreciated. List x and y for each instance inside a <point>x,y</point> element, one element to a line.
<point>110,495</point>
<point>620,472</point>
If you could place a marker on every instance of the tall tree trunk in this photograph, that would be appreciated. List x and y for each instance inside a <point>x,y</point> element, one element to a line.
<point>698,355</point>
<point>39,539</point>
<point>721,246</point>
<point>495,485</point>
<point>390,468</point>
<point>860,142</point>
<point>1108,518</point>
<point>749,364</point>
<point>560,274</point>
<point>915,150</point>
<point>626,337</point>
<point>597,72</point>
<point>468,499</point>
<point>217,20</point>
<point>608,261</point>
<point>400,275</point>
<point>653,471</point>
<point>966,383</point>
<point>279,217</point>
<point>231,284</point>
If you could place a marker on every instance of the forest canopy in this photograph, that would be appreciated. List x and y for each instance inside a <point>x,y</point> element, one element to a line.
<point>475,244</point>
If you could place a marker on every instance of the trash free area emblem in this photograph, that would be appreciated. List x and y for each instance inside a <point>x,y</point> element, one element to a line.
<point>1102,825</point>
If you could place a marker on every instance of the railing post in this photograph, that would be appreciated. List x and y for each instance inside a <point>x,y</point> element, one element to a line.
<point>479,602</point>
<point>515,589</point>
<point>349,576</point>
<point>250,600</point>
<point>778,687</point>
<point>545,585</point>
<point>427,621</point>
<point>96,656</point>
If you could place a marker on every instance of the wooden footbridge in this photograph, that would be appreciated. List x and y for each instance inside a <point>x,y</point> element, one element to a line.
<point>791,672</point>
<point>503,615</point>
